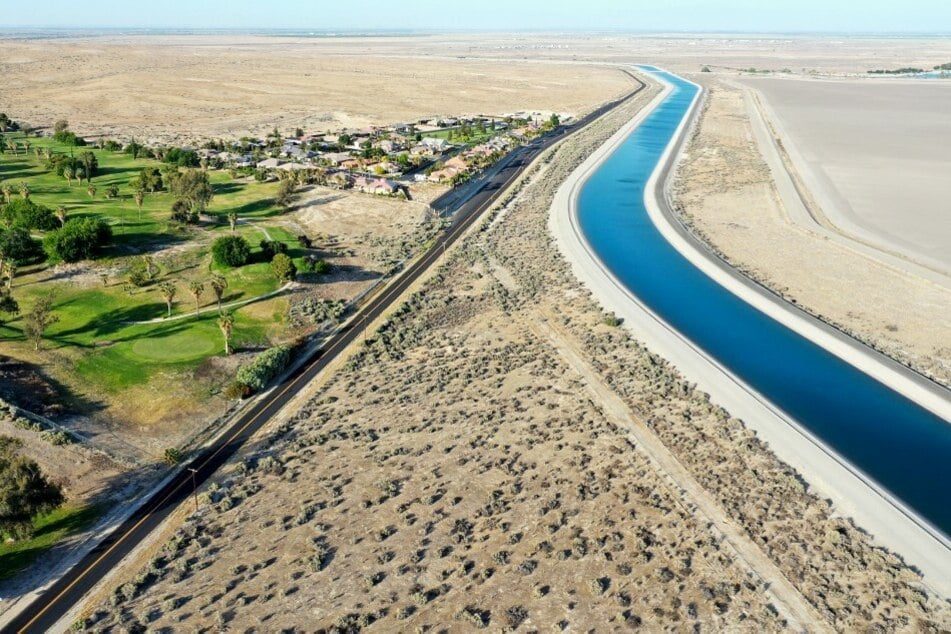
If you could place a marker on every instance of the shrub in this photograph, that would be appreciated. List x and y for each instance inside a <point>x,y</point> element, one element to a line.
<point>236,390</point>
<point>25,213</point>
<point>257,374</point>
<point>283,268</point>
<point>79,239</point>
<point>173,455</point>
<point>270,248</point>
<point>231,251</point>
<point>313,264</point>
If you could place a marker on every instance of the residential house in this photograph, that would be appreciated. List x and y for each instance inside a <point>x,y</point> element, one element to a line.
<point>268,164</point>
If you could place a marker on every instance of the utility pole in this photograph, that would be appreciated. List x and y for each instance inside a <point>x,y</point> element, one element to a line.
<point>194,487</point>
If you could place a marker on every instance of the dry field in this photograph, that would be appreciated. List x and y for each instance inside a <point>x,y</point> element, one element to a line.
<point>188,88</point>
<point>496,456</point>
<point>728,195</point>
<point>875,156</point>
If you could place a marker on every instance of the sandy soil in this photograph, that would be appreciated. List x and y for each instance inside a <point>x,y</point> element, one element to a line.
<point>728,194</point>
<point>192,87</point>
<point>875,156</point>
<point>498,457</point>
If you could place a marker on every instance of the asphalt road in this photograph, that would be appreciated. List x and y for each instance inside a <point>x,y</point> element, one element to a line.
<point>47,609</point>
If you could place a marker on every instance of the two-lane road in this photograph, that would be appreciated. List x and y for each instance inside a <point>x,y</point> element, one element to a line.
<point>59,599</point>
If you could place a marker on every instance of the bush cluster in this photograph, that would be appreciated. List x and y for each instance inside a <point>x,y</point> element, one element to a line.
<point>270,248</point>
<point>21,212</point>
<point>231,251</point>
<point>79,239</point>
<point>257,374</point>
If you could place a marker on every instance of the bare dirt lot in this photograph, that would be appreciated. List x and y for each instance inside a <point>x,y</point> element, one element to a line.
<point>497,456</point>
<point>875,155</point>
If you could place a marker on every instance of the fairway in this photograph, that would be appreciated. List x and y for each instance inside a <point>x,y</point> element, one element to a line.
<point>181,346</point>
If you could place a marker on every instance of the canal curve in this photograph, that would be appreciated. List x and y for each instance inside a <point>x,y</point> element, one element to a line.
<point>902,447</point>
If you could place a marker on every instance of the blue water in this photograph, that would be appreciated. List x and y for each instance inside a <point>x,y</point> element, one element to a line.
<point>902,446</point>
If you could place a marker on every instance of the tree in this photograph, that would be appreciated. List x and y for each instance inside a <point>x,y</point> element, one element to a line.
<point>17,245</point>
<point>149,179</point>
<point>182,212</point>
<point>90,164</point>
<point>285,193</point>
<point>197,288</point>
<point>233,220</point>
<point>231,251</point>
<point>61,215</point>
<point>68,175</point>
<point>226,323</point>
<point>8,304</point>
<point>139,200</point>
<point>112,191</point>
<point>168,290</point>
<point>78,239</point>
<point>193,187</point>
<point>24,491</point>
<point>78,174</point>
<point>218,284</point>
<point>270,248</point>
<point>149,263</point>
<point>133,148</point>
<point>23,212</point>
<point>282,266</point>
<point>9,272</point>
<point>60,126</point>
<point>25,190</point>
<point>91,190</point>
<point>181,158</point>
<point>7,192</point>
<point>39,319</point>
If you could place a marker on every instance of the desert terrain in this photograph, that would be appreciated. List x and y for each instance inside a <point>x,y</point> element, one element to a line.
<point>500,455</point>
<point>729,196</point>
<point>161,89</point>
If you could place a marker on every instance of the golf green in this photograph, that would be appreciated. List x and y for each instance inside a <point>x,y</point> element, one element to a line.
<point>174,348</point>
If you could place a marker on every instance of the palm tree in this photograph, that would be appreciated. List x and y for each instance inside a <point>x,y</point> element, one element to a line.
<point>139,199</point>
<point>13,147</point>
<point>10,270</point>
<point>197,288</point>
<point>91,190</point>
<point>233,220</point>
<point>226,323</point>
<point>149,262</point>
<point>25,190</point>
<point>27,145</point>
<point>47,153</point>
<point>78,174</point>
<point>87,159</point>
<point>61,215</point>
<point>68,175</point>
<point>218,284</point>
<point>168,290</point>
<point>7,192</point>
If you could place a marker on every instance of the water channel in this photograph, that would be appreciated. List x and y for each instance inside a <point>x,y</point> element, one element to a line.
<point>905,448</point>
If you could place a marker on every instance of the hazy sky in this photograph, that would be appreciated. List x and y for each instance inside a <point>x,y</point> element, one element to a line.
<point>640,15</point>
